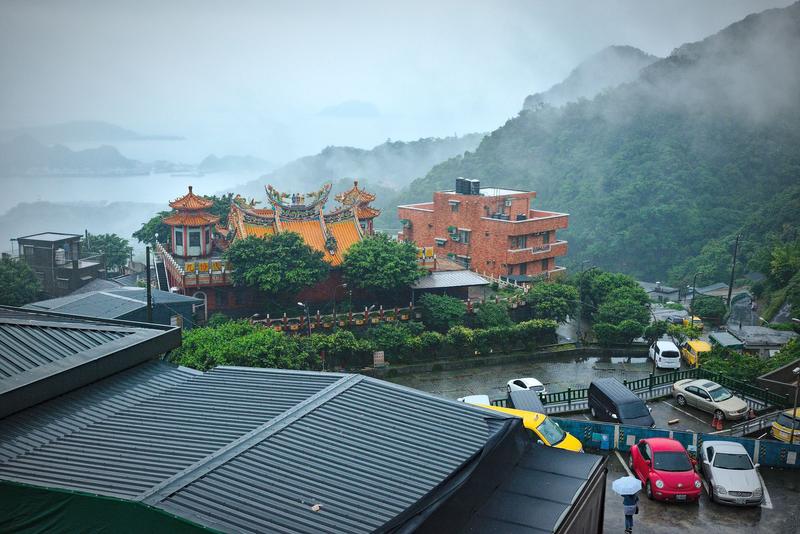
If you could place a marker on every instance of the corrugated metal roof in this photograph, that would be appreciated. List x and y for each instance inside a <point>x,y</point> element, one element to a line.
<point>45,354</point>
<point>36,427</point>
<point>110,303</point>
<point>445,279</point>
<point>146,443</point>
<point>244,449</point>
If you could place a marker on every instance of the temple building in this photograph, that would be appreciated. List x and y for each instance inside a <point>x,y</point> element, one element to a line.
<point>489,230</point>
<point>192,259</point>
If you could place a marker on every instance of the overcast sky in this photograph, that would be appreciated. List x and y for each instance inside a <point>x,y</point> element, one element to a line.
<point>284,79</point>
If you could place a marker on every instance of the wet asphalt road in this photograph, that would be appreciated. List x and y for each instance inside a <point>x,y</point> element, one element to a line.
<point>557,373</point>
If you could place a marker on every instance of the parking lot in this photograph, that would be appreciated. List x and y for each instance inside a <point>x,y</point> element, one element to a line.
<point>777,514</point>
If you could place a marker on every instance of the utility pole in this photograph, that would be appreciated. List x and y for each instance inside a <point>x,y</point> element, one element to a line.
<point>691,305</point>
<point>149,287</point>
<point>733,268</point>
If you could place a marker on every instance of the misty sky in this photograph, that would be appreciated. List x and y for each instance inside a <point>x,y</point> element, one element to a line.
<point>283,79</point>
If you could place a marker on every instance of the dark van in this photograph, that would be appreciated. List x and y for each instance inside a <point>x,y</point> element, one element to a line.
<point>610,400</point>
<point>527,400</point>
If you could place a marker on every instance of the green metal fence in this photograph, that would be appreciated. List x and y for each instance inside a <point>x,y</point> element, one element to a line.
<point>652,381</point>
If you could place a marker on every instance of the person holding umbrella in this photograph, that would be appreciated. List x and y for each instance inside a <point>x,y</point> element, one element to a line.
<point>628,487</point>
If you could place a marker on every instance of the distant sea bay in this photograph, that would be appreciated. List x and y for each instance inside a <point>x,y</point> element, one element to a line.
<point>150,188</point>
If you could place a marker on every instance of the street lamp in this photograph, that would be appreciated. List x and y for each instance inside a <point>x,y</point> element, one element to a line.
<point>796,373</point>
<point>308,316</point>
<point>334,299</point>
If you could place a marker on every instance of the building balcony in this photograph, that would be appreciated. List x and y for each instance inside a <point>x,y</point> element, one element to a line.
<point>195,273</point>
<point>540,252</point>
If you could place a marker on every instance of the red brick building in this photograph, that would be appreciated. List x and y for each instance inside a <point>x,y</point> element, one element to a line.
<point>490,229</point>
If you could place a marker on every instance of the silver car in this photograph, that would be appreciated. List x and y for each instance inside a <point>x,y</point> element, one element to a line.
<point>709,397</point>
<point>730,473</point>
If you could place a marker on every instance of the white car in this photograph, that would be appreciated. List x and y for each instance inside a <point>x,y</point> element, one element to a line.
<point>666,355</point>
<point>731,474</point>
<point>521,384</point>
<point>475,399</point>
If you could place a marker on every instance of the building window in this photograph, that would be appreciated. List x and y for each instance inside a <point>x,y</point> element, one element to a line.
<point>440,242</point>
<point>27,250</point>
<point>546,238</point>
<point>208,236</point>
<point>464,236</point>
<point>544,264</point>
<point>194,239</point>
<point>523,268</point>
<point>178,238</point>
<point>454,207</point>
<point>510,270</point>
<point>520,241</point>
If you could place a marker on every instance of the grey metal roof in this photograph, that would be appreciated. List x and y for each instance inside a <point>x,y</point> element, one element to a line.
<point>42,424</point>
<point>725,339</point>
<point>45,354</point>
<point>446,279</point>
<point>111,303</point>
<point>98,284</point>
<point>50,236</point>
<point>761,336</point>
<point>250,450</point>
<point>713,287</point>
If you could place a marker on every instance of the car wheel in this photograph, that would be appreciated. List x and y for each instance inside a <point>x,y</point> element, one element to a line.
<point>648,490</point>
<point>719,414</point>
<point>681,400</point>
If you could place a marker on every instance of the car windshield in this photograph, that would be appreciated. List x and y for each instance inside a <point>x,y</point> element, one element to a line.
<point>720,394</point>
<point>633,410</point>
<point>672,461</point>
<point>550,431</point>
<point>732,461</point>
<point>669,354</point>
<point>786,421</point>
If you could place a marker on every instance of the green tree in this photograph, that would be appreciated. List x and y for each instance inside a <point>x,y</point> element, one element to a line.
<point>221,206</point>
<point>655,331</point>
<point>491,314</point>
<point>18,283</point>
<point>280,265</point>
<point>147,233</point>
<point>245,344</point>
<point>380,264</point>
<point>706,306</point>
<point>616,311</point>
<point>681,333</point>
<point>442,312</point>
<point>552,301</point>
<point>117,251</point>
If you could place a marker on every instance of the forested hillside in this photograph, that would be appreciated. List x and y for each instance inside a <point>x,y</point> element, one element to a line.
<point>655,170</point>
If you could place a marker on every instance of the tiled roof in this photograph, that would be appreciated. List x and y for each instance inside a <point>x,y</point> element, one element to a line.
<point>190,201</point>
<point>191,219</point>
<point>346,234</point>
<point>310,231</point>
<point>367,212</point>
<point>257,230</point>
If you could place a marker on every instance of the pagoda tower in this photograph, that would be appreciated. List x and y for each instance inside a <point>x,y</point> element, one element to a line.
<point>192,226</point>
<point>358,199</point>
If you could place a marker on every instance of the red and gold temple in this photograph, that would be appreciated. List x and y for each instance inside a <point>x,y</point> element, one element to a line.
<point>193,259</point>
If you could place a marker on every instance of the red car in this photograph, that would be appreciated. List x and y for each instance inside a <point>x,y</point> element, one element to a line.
<point>665,469</point>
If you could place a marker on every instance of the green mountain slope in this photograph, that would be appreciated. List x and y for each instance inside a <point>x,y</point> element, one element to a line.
<point>654,169</point>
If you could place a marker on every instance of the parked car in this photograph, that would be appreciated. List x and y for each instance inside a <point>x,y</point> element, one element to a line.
<point>731,474</point>
<point>675,319</point>
<point>782,426</point>
<point>665,354</point>
<point>475,399</point>
<point>693,321</point>
<point>519,384</point>
<point>543,429</point>
<point>709,397</point>
<point>665,469</point>
<point>693,350</point>
<point>610,400</point>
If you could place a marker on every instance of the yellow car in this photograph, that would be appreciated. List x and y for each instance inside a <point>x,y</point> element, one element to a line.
<point>544,429</point>
<point>693,350</point>
<point>696,321</point>
<point>782,427</point>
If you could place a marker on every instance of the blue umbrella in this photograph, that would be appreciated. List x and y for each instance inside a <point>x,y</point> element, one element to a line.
<point>627,485</point>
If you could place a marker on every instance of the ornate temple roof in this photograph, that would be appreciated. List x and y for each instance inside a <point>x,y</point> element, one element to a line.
<point>191,219</point>
<point>191,202</point>
<point>360,199</point>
